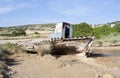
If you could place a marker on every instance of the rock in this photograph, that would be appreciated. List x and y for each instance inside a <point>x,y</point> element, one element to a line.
<point>81,55</point>
<point>49,57</point>
<point>104,75</point>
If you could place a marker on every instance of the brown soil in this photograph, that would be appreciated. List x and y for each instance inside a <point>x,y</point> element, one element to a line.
<point>67,66</point>
<point>111,57</point>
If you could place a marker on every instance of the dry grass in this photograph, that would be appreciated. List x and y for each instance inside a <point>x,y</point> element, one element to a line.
<point>45,49</point>
<point>11,48</point>
<point>3,69</point>
<point>3,63</point>
<point>114,37</point>
<point>6,51</point>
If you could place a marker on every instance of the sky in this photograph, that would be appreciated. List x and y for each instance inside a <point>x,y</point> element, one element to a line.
<point>22,12</point>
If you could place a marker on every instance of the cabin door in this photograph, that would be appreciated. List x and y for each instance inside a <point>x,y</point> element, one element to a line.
<point>67,31</point>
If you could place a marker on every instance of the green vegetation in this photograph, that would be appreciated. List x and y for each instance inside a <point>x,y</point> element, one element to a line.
<point>11,48</point>
<point>20,30</point>
<point>117,27</point>
<point>49,26</point>
<point>15,32</point>
<point>104,32</point>
<point>113,37</point>
<point>82,29</point>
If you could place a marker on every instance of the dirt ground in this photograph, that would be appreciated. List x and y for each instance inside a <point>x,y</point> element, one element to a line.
<point>67,66</point>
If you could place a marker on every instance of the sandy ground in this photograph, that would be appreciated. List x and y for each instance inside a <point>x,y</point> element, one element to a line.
<point>67,66</point>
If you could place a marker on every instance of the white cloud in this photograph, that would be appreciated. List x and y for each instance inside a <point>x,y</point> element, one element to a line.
<point>82,7</point>
<point>12,5</point>
<point>72,8</point>
<point>76,11</point>
<point>6,9</point>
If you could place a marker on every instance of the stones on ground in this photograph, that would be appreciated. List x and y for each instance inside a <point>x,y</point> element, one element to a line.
<point>104,75</point>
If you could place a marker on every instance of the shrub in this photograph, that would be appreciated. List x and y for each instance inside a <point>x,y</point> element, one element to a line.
<point>45,49</point>
<point>113,37</point>
<point>3,53</point>
<point>15,32</point>
<point>36,33</point>
<point>18,32</point>
<point>82,29</point>
<point>117,27</point>
<point>3,64</point>
<point>13,48</point>
<point>102,31</point>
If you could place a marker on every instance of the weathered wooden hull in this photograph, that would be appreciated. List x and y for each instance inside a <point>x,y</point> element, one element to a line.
<point>61,46</point>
